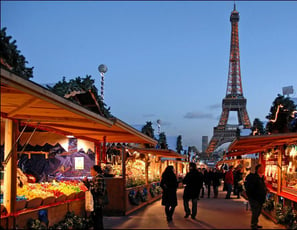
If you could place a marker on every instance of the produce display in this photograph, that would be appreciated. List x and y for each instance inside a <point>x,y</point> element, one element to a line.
<point>43,190</point>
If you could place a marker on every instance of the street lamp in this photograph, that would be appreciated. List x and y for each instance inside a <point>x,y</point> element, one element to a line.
<point>102,70</point>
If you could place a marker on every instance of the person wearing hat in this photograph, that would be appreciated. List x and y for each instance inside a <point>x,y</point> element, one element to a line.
<point>193,182</point>
<point>97,187</point>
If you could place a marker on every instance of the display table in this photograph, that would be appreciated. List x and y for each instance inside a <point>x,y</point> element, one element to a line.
<point>56,213</point>
<point>118,196</point>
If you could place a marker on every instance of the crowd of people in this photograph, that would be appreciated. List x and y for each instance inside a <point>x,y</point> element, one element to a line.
<point>195,183</point>
<point>198,182</point>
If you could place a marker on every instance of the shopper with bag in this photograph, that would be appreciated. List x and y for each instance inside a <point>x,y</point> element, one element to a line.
<point>97,187</point>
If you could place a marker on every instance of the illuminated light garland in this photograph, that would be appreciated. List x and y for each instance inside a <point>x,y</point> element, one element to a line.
<point>276,114</point>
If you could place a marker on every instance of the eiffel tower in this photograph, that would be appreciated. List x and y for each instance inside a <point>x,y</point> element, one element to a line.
<point>234,100</point>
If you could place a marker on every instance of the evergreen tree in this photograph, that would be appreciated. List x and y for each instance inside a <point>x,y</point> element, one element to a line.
<point>280,116</point>
<point>11,58</point>
<point>83,85</point>
<point>179,146</point>
<point>148,130</point>
<point>162,142</point>
<point>258,127</point>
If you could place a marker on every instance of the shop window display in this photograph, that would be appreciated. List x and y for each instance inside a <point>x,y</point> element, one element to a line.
<point>135,172</point>
<point>154,169</point>
<point>289,170</point>
<point>271,170</point>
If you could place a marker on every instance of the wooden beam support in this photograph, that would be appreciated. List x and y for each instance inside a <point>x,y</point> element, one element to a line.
<point>10,170</point>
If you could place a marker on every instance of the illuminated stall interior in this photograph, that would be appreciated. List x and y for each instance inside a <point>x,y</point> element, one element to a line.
<point>278,153</point>
<point>26,106</point>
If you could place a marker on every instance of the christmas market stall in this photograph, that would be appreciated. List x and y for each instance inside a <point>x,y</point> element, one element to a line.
<point>278,153</point>
<point>142,172</point>
<point>39,126</point>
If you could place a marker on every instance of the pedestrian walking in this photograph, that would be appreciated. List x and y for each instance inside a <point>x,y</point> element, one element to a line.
<point>229,181</point>
<point>216,177</point>
<point>97,187</point>
<point>256,191</point>
<point>202,188</point>
<point>193,182</point>
<point>169,185</point>
<point>238,176</point>
<point>208,180</point>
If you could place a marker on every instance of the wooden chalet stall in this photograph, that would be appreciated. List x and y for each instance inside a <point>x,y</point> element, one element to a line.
<point>28,106</point>
<point>278,153</point>
<point>142,172</point>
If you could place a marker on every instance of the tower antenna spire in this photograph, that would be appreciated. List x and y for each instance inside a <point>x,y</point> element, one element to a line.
<point>234,5</point>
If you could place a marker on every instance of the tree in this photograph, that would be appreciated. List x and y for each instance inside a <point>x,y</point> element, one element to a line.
<point>11,58</point>
<point>179,146</point>
<point>257,128</point>
<point>162,142</point>
<point>148,130</point>
<point>63,88</point>
<point>280,116</point>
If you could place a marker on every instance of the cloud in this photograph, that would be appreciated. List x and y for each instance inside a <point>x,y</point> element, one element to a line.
<point>198,115</point>
<point>149,115</point>
<point>165,123</point>
<point>215,106</point>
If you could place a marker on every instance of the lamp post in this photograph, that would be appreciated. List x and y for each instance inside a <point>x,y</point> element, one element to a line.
<point>102,70</point>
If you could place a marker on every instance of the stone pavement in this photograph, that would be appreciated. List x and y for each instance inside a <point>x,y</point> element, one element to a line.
<point>213,213</point>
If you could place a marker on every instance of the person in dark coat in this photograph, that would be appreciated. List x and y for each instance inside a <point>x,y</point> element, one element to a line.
<point>193,181</point>
<point>238,176</point>
<point>169,185</point>
<point>207,180</point>
<point>97,186</point>
<point>256,192</point>
<point>202,188</point>
<point>216,177</point>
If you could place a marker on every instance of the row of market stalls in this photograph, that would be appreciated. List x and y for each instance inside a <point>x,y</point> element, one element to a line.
<point>40,127</point>
<point>278,153</point>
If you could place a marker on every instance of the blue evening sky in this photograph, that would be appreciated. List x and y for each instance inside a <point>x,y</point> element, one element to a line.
<point>166,60</point>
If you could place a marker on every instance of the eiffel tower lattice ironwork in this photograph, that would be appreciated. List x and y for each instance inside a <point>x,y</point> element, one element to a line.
<point>234,100</point>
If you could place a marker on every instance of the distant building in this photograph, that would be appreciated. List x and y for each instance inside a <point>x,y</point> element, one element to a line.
<point>204,143</point>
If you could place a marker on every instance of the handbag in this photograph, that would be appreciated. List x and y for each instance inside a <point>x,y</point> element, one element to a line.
<point>89,201</point>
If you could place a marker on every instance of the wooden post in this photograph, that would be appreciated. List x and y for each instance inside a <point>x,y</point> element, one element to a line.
<point>103,158</point>
<point>124,175</point>
<point>280,153</point>
<point>98,151</point>
<point>160,168</point>
<point>146,169</point>
<point>10,171</point>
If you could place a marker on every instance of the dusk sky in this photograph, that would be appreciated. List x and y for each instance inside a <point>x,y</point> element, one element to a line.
<point>166,60</point>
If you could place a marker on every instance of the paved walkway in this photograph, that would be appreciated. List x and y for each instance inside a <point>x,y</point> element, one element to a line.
<point>212,214</point>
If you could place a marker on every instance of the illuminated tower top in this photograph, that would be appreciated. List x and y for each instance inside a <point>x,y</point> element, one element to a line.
<point>234,86</point>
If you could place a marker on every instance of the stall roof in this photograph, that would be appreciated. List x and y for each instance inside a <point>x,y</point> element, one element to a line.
<point>34,105</point>
<point>255,144</point>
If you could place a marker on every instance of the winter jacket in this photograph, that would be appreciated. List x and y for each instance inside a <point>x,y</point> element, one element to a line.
<point>193,181</point>
<point>255,187</point>
<point>229,179</point>
<point>169,185</point>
